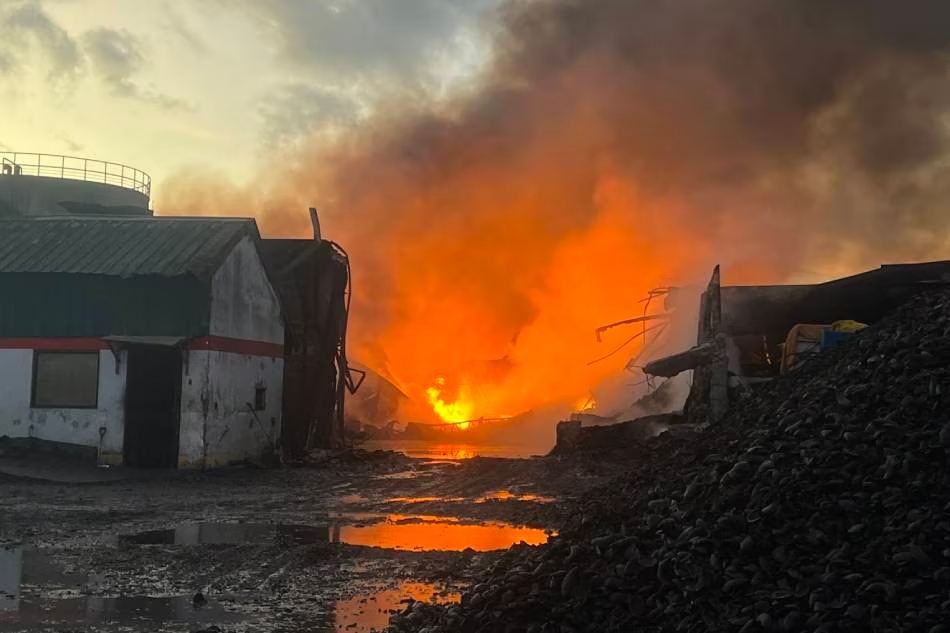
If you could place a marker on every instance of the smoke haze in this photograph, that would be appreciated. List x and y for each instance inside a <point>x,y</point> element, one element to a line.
<point>613,146</point>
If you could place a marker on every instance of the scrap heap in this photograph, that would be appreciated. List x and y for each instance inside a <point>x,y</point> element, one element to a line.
<point>821,503</point>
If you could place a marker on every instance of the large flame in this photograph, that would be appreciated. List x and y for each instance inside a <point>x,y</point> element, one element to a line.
<point>613,147</point>
<point>458,412</point>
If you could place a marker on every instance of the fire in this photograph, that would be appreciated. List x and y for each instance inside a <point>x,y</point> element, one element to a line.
<point>458,412</point>
<point>491,233</point>
<point>585,404</point>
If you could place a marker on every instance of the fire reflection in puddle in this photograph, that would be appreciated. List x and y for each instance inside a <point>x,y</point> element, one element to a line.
<point>507,495</point>
<point>442,536</point>
<point>370,612</point>
<point>399,532</point>
<point>495,495</point>
<point>424,499</point>
<point>455,450</point>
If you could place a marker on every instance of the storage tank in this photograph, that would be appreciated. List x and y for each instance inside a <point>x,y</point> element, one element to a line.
<point>49,184</point>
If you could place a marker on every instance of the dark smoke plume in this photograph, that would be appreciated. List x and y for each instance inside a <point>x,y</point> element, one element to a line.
<point>617,145</point>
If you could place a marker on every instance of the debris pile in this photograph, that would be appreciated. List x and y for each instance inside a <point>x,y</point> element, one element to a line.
<point>822,503</point>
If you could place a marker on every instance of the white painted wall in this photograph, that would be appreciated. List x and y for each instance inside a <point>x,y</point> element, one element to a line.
<point>217,427</point>
<point>244,305</point>
<point>71,426</point>
<point>195,406</point>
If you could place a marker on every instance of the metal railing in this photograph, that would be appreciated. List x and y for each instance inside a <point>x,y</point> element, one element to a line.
<point>75,168</point>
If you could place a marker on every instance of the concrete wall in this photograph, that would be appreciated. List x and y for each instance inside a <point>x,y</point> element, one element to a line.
<point>41,195</point>
<point>244,305</point>
<point>70,426</point>
<point>195,408</point>
<point>217,426</point>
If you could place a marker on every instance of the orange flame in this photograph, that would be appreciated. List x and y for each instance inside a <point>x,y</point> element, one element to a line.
<point>491,236</point>
<point>585,404</point>
<point>458,412</point>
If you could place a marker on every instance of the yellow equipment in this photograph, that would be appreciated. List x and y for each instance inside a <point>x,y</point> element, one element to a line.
<point>805,339</point>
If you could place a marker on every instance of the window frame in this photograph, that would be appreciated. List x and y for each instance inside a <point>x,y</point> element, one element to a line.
<point>36,357</point>
<point>260,398</point>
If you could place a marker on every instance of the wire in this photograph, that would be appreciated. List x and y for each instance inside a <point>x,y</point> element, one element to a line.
<point>645,347</point>
<point>627,342</point>
<point>639,319</point>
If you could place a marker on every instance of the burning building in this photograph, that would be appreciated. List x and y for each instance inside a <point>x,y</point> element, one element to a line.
<point>606,148</point>
<point>157,341</point>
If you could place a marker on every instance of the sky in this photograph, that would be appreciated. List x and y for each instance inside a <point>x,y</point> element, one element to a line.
<point>169,86</point>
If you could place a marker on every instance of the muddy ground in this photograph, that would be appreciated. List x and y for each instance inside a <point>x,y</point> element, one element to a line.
<point>328,547</point>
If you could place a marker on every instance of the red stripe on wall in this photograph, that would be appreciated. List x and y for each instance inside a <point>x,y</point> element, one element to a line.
<point>237,346</point>
<point>210,343</point>
<point>55,344</point>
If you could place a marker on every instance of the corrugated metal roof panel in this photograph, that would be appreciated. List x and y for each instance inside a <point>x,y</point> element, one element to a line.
<point>122,247</point>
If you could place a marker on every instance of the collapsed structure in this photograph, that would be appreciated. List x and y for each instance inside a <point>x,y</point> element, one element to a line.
<point>749,334</point>
<point>162,341</point>
<point>818,504</point>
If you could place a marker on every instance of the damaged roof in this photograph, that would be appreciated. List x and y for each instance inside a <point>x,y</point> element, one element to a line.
<point>865,297</point>
<point>120,246</point>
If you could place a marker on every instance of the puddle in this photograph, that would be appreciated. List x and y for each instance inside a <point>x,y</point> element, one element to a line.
<point>454,450</point>
<point>496,495</point>
<point>422,499</point>
<point>507,495</point>
<point>369,612</point>
<point>32,587</point>
<point>35,592</point>
<point>229,534</point>
<point>396,531</point>
<point>440,536</point>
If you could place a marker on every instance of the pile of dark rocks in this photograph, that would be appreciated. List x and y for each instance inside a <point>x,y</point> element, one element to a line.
<point>821,503</point>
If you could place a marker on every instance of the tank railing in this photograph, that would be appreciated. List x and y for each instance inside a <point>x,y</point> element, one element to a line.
<point>74,168</point>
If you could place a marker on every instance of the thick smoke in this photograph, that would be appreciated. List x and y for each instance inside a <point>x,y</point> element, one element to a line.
<point>614,146</point>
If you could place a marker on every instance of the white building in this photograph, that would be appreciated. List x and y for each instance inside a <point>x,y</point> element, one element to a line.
<point>151,341</point>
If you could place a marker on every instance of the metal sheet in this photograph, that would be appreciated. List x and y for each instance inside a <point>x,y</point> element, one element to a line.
<point>121,247</point>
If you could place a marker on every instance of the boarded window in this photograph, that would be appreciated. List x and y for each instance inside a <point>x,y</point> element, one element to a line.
<point>67,380</point>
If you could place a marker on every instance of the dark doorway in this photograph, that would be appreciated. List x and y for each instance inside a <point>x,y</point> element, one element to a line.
<point>152,393</point>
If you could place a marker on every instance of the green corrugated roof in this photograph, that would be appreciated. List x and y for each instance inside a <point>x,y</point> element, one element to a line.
<point>120,247</point>
<point>71,305</point>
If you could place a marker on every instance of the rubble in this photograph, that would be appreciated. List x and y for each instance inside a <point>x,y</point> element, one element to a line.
<point>819,503</point>
<point>628,436</point>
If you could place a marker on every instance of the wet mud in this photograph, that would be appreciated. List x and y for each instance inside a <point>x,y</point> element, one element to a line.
<point>336,546</point>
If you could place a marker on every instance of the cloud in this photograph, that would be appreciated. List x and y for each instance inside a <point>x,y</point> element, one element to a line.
<point>362,40</point>
<point>7,63</point>
<point>26,23</point>
<point>176,24</point>
<point>296,111</point>
<point>117,57</point>
<point>614,146</point>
